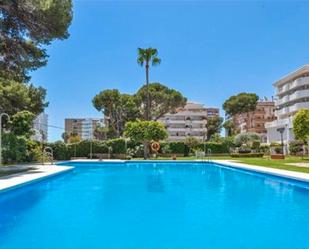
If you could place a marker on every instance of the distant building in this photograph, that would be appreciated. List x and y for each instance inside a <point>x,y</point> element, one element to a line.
<point>292,92</point>
<point>255,121</point>
<point>190,120</point>
<point>40,127</point>
<point>83,127</point>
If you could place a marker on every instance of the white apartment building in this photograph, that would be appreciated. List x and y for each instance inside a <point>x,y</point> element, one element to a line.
<point>40,128</point>
<point>292,93</point>
<point>84,127</point>
<point>190,120</point>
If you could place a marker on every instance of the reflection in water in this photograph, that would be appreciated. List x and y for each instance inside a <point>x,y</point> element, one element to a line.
<point>155,183</point>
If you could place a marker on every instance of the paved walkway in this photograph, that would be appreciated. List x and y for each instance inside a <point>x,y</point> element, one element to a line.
<point>35,172</point>
<point>272,171</point>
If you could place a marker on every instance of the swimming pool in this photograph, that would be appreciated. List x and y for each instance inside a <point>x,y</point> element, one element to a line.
<point>156,206</point>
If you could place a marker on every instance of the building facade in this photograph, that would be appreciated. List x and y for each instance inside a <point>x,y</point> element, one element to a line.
<point>255,121</point>
<point>190,120</point>
<point>292,93</point>
<point>40,128</point>
<point>83,127</point>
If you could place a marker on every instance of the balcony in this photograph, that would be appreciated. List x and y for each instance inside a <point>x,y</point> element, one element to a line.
<point>296,83</point>
<point>282,111</point>
<point>298,106</point>
<point>299,94</point>
<point>278,123</point>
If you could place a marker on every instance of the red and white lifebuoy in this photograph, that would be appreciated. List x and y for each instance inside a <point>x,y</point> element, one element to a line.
<point>155,146</point>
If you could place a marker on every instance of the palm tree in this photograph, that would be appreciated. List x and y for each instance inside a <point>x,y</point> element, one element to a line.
<point>148,56</point>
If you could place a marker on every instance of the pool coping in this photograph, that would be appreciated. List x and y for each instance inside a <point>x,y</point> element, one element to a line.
<point>40,172</point>
<point>294,175</point>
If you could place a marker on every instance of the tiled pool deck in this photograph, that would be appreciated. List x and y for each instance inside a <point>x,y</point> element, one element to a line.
<point>38,172</point>
<point>42,172</point>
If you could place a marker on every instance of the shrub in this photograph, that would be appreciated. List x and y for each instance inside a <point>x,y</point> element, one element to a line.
<point>118,145</point>
<point>177,147</point>
<point>264,148</point>
<point>215,148</point>
<point>60,150</point>
<point>296,147</point>
<point>246,139</point>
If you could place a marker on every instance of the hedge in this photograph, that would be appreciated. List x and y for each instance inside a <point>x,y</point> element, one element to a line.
<point>247,154</point>
<point>64,151</point>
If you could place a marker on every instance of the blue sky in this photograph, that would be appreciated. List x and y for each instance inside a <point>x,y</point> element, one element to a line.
<point>209,51</point>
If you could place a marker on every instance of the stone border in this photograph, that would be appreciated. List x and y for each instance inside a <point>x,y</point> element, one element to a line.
<point>39,173</point>
<point>294,175</point>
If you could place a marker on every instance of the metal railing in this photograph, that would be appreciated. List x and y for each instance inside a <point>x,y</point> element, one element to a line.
<point>48,152</point>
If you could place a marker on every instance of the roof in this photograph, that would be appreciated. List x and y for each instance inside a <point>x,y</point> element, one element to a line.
<point>291,76</point>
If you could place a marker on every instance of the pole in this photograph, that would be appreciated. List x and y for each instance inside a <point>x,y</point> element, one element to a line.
<point>8,117</point>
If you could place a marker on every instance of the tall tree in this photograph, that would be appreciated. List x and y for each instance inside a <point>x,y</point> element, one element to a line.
<point>117,108</point>
<point>161,98</point>
<point>301,125</point>
<point>26,26</point>
<point>230,128</point>
<point>240,103</point>
<point>16,97</point>
<point>214,126</point>
<point>148,56</point>
<point>145,132</point>
<point>22,124</point>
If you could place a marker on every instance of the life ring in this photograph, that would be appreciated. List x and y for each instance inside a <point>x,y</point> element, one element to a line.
<point>155,146</point>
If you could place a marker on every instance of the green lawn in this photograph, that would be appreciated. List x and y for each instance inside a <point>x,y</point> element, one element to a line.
<point>278,164</point>
<point>265,161</point>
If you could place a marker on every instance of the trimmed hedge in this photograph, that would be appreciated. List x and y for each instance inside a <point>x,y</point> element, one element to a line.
<point>247,154</point>
<point>64,151</point>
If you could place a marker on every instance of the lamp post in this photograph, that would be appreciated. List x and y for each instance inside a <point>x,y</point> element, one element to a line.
<point>1,116</point>
<point>281,130</point>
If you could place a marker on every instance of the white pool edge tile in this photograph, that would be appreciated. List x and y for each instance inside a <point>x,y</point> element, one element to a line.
<point>23,178</point>
<point>299,176</point>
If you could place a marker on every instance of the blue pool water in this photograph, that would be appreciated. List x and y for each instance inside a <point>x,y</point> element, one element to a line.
<point>156,206</point>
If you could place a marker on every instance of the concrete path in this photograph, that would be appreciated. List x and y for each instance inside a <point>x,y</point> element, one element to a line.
<point>36,172</point>
<point>272,171</point>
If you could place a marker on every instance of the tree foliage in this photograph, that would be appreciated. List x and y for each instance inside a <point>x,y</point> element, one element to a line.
<point>117,108</point>
<point>147,56</point>
<point>145,131</point>
<point>162,100</point>
<point>240,103</point>
<point>214,126</point>
<point>16,97</point>
<point>191,142</point>
<point>120,108</point>
<point>246,139</point>
<point>230,128</point>
<point>301,124</point>
<point>22,124</point>
<point>26,26</point>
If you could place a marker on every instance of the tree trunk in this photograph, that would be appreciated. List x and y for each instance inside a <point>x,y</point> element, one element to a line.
<point>148,97</point>
<point>145,150</point>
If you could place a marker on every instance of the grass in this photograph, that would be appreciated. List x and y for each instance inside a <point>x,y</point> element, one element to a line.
<point>264,161</point>
<point>278,164</point>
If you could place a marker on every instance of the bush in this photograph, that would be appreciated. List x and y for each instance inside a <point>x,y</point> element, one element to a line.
<point>216,148</point>
<point>60,150</point>
<point>264,148</point>
<point>247,155</point>
<point>118,145</point>
<point>296,147</point>
<point>246,139</point>
<point>177,147</point>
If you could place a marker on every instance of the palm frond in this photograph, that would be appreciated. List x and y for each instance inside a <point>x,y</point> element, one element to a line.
<point>156,61</point>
